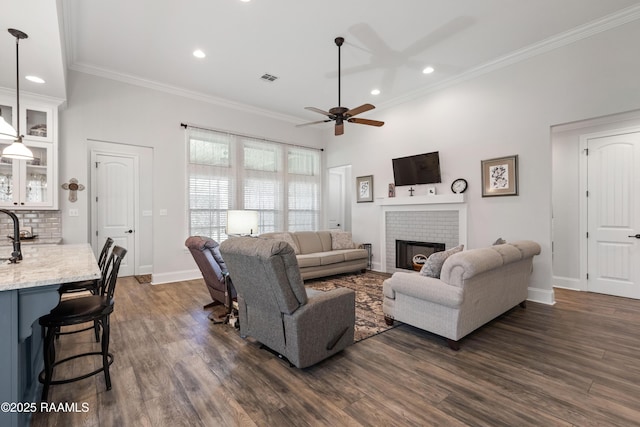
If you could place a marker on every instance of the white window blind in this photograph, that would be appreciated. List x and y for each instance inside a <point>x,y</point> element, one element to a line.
<point>226,171</point>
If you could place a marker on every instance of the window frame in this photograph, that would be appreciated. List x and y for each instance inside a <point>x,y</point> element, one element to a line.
<point>239,175</point>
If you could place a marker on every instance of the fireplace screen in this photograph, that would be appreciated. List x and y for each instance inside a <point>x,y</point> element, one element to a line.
<point>406,250</point>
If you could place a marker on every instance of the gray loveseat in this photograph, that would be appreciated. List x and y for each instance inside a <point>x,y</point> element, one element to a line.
<point>324,253</point>
<point>274,307</point>
<point>475,286</point>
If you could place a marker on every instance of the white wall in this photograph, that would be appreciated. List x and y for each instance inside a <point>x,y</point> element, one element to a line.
<point>508,111</point>
<point>106,110</point>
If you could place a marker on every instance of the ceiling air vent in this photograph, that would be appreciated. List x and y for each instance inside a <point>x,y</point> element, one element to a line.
<point>269,77</point>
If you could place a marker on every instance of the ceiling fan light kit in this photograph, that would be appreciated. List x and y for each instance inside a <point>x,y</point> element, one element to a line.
<point>341,114</point>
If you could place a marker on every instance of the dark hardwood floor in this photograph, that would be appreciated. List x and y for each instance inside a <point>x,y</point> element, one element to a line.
<point>573,364</point>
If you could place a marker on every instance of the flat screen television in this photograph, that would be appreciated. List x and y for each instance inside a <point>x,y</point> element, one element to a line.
<point>418,169</point>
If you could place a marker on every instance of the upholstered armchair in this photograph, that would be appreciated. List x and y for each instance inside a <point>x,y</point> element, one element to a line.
<point>206,253</point>
<point>274,307</point>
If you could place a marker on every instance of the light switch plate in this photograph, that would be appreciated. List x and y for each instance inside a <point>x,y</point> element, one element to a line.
<point>73,212</point>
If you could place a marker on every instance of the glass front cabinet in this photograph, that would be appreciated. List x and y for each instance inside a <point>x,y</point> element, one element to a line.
<point>30,184</point>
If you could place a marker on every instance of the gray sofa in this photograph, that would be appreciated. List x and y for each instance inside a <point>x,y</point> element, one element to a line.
<point>274,307</point>
<point>475,286</point>
<point>324,253</point>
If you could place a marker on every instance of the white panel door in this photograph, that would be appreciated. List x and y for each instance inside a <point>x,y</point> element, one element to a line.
<point>613,215</point>
<point>336,201</point>
<point>115,205</point>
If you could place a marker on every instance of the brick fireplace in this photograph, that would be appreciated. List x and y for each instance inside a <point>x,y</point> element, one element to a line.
<point>435,218</point>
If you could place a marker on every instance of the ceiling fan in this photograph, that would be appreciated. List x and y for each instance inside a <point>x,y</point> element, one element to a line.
<point>342,114</point>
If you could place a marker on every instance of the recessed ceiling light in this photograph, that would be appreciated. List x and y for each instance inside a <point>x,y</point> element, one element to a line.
<point>375,92</point>
<point>198,53</point>
<point>245,1</point>
<point>35,79</point>
<point>428,70</point>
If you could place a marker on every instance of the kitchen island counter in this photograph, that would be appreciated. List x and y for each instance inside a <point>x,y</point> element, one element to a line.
<point>28,290</point>
<point>49,265</point>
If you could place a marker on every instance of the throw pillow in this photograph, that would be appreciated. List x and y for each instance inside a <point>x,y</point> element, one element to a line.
<point>500,241</point>
<point>287,238</point>
<point>341,240</point>
<point>433,266</point>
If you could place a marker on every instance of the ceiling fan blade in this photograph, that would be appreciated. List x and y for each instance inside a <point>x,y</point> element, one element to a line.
<point>317,110</point>
<point>313,123</point>
<point>358,110</point>
<point>339,129</point>
<point>366,122</point>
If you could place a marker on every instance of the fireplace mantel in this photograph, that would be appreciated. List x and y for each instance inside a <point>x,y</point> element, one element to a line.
<point>432,199</point>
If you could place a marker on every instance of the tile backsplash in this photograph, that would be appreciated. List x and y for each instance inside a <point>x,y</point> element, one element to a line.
<point>45,224</point>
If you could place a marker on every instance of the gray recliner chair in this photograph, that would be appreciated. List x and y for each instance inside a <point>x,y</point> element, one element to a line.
<point>274,307</point>
<point>206,254</point>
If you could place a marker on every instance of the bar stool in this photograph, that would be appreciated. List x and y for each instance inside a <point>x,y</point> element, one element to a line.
<point>93,308</point>
<point>89,285</point>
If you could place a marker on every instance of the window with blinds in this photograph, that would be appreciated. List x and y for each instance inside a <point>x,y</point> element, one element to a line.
<point>227,171</point>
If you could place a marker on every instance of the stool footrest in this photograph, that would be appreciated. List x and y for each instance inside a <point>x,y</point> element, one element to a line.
<point>80,377</point>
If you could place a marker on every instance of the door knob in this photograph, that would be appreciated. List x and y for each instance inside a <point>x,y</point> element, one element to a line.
<point>637,236</point>
<point>131,231</point>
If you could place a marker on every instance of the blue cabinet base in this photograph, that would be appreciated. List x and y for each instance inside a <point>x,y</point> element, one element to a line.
<point>21,351</point>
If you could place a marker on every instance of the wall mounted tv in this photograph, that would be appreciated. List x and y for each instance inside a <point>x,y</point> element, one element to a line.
<point>418,169</point>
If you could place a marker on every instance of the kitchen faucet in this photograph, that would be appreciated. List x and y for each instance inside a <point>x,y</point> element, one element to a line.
<point>16,255</point>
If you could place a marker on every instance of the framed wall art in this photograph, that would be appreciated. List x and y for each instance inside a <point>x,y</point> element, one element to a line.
<point>364,188</point>
<point>500,176</point>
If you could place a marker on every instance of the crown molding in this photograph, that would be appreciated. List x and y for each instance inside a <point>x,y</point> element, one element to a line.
<point>574,35</point>
<point>174,90</point>
<point>32,96</point>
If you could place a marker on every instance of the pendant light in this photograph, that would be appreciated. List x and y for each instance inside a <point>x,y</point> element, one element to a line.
<point>17,150</point>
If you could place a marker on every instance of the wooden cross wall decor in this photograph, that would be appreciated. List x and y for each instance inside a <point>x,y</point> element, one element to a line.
<point>73,188</point>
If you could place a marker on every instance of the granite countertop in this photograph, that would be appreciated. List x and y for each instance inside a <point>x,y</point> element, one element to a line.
<point>44,265</point>
<point>37,241</point>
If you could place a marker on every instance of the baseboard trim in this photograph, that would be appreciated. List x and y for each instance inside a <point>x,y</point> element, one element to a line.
<point>144,269</point>
<point>567,283</point>
<point>543,296</point>
<point>175,276</point>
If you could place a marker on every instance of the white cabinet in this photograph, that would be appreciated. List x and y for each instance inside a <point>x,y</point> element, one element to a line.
<point>37,123</point>
<point>31,184</point>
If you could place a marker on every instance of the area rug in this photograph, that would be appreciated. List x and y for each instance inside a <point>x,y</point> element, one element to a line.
<point>368,289</point>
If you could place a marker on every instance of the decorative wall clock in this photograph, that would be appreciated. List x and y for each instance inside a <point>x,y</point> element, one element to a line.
<point>459,185</point>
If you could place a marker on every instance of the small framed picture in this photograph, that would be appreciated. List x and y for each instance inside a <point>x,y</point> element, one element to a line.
<point>392,190</point>
<point>500,176</point>
<point>364,188</point>
<point>431,191</point>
